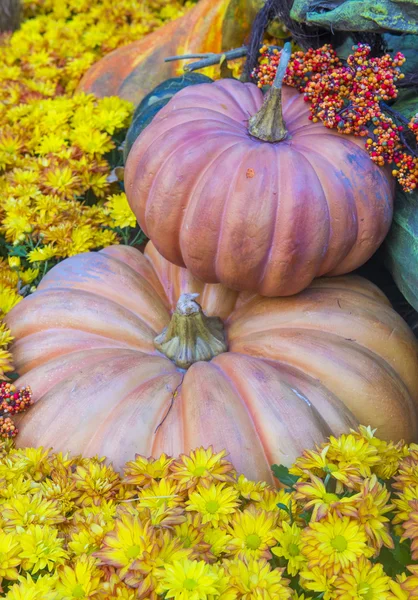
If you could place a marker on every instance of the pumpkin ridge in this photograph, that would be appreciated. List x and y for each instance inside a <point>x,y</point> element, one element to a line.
<point>192,202</point>
<point>338,258</point>
<point>111,414</point>
<point>54,293</point>
<point>216,117</point>
<point>231,96</point>
<point>93,269</point>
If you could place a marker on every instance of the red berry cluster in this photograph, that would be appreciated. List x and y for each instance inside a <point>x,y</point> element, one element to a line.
<point>12,401</point>
<point>351,98</point>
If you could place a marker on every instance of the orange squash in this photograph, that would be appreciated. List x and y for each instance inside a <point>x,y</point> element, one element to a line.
<point>107,354</point>
<point>135,69</point>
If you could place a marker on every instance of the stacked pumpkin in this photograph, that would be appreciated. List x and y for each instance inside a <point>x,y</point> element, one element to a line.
<point>221,332</point>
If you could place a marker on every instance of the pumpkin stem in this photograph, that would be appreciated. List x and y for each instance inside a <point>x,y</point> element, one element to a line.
<point>191,336</point>
<point>267,124</point>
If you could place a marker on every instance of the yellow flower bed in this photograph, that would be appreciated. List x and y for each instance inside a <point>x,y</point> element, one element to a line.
<point>58,192</point>
<point>345,526</point>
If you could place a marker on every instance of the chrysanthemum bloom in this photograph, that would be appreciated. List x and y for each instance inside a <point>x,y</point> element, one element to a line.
<point>253,534</point>
<point>96,482</point>
<point>34,462</point>
<point>314,495</point>
<point>189,580</point>
<point>255,579</point>
<point>191,535</point>
<point>390,454</point>
<point>410,584</point>
<point>215,503</point>
<point>34,588</point>
<point>407,475</point>
<point>160,494</point>
<point>81,579</point>
<point>9,556</point>
<point>403,503</point>
<point>270,499</point>
<point>290,547</point>
<point>334,543</point>
<point>41,548</point>
<point>89,532</point>
<point>317,462</point>
<point>359,452</point>
<point>218,539</point>
<point>316,580</point>
<point>143,471</point>
<point>371,505</point>
<point>129,539</point>
<point>364,581</point>
<point>146,570</point>
<point>410,528</point>
<point>27,510</point>
<point>250,490</point>
<point>202,466</point>
<point>60,487</point>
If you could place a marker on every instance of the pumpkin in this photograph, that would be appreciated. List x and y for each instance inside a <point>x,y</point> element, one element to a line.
<point>121,359</point>
<point>154,102</point>
<point>132,71</point>
<point>251,194</point>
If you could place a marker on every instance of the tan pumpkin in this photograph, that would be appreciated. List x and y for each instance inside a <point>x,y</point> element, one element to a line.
<point>289,371</point>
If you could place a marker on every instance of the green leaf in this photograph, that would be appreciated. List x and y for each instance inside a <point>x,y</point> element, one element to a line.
<point>395,561</point>
<point>283,507</point>
<point>282,474</point>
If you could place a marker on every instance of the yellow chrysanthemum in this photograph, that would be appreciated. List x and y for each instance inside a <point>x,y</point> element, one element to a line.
<point>162,493</point>
<point>191,535</point>
<point>142,471</point>
<point>255,579</point>
<point>219,539</point>
<point>96,482</point>
<point>80,580</point>
<point>34,462</point>
<point>334,543</point>
<point>349,449</point>
<point>215,503</point>
<point>315,497</point>
<point>41,548</point>
<point>41,254</point>
<point>189,580</point>
<point>253,534</point>
<point>202,466</point>
<point>250,490</point>
<point>119,211</point>
<point>129,539</point>
<point>33,588</point>
<point>390,454</point>
<point>316,580</point>
<point>10,549</point>
<point>290,547</point>
<point>364,581</point>
<point>27,510</point>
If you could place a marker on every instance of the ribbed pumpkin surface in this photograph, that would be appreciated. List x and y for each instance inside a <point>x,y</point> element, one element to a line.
<point>297,368</point>
<point>252,215</point>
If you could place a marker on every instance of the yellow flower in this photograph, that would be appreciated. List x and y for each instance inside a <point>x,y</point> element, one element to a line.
<point>142,471</point>
<point>61,181</point>
<point>364,581</point>
<point>369,508</point>
<point>316,580</point>
<point>289,538</point>
<point>314,495</point>
<point>411,528</point>
<point>404,504</point>
<point>43,253</point>
<point>334,543</point>
<point>390,454</point>
<point>202,466</point>
<point>349,449</point>
<point>129,539</point>
<point>163,493</point>
<point>80,580</point>
<point>253,534</point>
<point>41,548</point>
<point>255,579</point>
<point>215,503</point>
<point>27,510</point>
<point>119,211</point>
<point>14,262</point>
<point>34,462</point>
<point>218,540</point>
<point>96,482</point>
<point>40,588</point>
<point>91,140</point>
<point>189,580</point>
<point>9,556</point>
<point>191,535</point>
<point>250,490</point>
<point>407,475</point>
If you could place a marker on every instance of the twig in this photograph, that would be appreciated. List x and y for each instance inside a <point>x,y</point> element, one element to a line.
<point>209,58</point>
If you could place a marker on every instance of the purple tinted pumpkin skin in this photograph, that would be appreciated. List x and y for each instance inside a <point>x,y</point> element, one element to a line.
<point>255,215</point>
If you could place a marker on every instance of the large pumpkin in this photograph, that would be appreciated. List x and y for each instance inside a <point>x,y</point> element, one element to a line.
<point>290,370</point>
<point>135,69</point>
<point>257,207</point>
